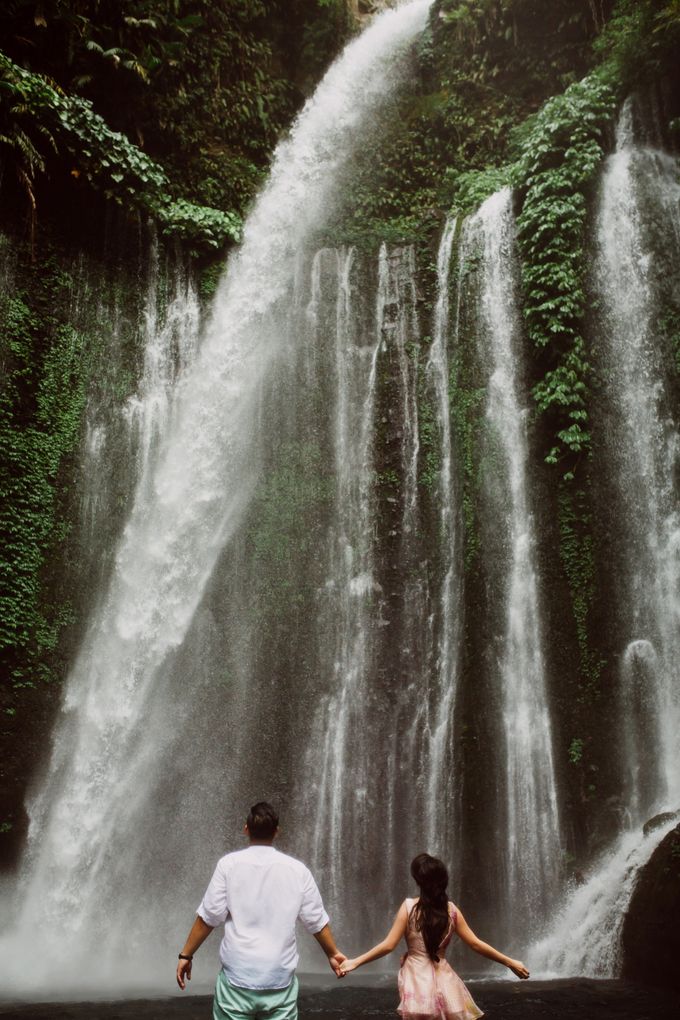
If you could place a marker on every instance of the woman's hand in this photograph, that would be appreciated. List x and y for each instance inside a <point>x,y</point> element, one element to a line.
<point>518,968</point>
<point>346,966</point>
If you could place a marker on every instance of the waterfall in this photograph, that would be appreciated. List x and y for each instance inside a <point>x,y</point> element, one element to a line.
<point>87,870</point>
<point>532,851</point>
<point>585,939</point>
<point>351,592</point>
<point>638,250</point>
<point>644,446</point>
<point>440,708</point>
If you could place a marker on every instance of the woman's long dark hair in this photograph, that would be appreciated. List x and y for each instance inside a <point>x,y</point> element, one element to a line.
<point>431,912</point>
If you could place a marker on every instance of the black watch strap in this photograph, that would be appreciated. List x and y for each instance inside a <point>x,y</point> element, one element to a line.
<point>181,956</point>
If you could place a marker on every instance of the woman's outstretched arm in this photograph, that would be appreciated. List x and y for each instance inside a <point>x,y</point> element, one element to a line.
<point>390,942</point>
<point>465,932</point>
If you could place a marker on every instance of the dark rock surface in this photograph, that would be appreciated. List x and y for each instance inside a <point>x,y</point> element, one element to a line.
<point>651,930</point>
<point>658,820</point>
<point>576,999</point>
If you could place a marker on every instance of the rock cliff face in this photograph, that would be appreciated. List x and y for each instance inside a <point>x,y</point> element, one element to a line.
<point>651,933</point>
<point>363,9</point>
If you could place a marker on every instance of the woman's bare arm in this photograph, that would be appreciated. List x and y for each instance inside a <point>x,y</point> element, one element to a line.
<point>465,932</point>
<point>390,942</point>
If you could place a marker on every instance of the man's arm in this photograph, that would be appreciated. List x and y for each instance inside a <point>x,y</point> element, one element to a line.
<point>327,943</point>
<point>196,937</point>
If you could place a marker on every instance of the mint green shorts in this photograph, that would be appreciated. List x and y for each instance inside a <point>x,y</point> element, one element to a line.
<point>233,1003</point>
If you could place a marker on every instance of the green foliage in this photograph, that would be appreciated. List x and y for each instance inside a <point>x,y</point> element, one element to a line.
<point>40,417</point>
<point>640,40</point>
<point>289,504</point>
<point>467,408</point>
<point>470,188</point>
<point>560,155</point>
<point>107,159</point>
<point>430,456</point>
<point>200,225</point>
<point>577,554</point>
<point>575,751</point>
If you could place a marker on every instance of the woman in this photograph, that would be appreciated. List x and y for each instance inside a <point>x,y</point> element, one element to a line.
<point>429,988</point>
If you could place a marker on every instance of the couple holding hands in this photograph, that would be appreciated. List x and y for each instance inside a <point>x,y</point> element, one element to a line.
<point>259,894</point>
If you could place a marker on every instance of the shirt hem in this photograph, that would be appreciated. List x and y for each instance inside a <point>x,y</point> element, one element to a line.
<point>259,988</point>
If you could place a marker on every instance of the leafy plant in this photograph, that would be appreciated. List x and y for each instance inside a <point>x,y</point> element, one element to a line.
<point>560,156</point>
<point>106,158</point>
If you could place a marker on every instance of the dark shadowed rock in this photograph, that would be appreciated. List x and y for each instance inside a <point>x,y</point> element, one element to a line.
<point>651,930</point>
<point>658,820</point>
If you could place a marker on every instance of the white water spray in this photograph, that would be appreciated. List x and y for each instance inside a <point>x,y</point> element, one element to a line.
<point>191,496</point>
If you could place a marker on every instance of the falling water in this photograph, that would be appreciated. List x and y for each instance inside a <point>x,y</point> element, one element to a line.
<point>644,446</point>
<point>533,828</point>
<point>440,708</point>
<point>585,938</point>
<point>351,592</point>
<point>201,469</point>
<point>639,190</point>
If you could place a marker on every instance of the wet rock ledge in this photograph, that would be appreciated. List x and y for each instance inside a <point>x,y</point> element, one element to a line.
<point>651,930</point>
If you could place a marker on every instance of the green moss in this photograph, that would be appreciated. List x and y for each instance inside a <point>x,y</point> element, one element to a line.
<point>40,419</point>
<point>577,554</point>
<point>291,501</point>
<point>430,454</point>
<point>467,403</point>
<point>575,751</point>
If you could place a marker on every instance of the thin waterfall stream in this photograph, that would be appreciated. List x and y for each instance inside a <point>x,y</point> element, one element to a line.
<point>532,851</point>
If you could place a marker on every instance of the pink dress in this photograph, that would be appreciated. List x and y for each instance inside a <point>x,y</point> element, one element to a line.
<point>429,990</point>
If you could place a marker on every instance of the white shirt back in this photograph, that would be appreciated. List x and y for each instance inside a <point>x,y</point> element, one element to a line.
<point>259,894</point>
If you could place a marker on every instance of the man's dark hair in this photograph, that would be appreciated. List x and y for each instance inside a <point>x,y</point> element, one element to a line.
<point>262,821</point>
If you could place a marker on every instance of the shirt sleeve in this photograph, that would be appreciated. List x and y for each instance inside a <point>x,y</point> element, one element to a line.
<point>312,913</point>
<point>214,907</point>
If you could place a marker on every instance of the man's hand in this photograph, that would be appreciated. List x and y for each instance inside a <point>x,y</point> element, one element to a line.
<point>196,937</point>
<point>183,972</point>
<point>336,961</point>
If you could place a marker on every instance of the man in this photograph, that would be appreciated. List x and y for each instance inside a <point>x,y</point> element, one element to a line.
<point>259,894</point>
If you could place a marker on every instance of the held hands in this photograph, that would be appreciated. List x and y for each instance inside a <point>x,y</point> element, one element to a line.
<point>518,968</point>
<point>337,962</point>
<point>347,967</point>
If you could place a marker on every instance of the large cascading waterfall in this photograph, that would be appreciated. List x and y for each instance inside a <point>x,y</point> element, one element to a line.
<point>88,869</point>
<point>638,255</point>
<point>532,844</point>
<point>327,591</point>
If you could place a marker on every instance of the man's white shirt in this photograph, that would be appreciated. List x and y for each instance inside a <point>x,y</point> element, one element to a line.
<point>259,894</point>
